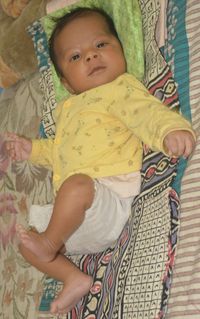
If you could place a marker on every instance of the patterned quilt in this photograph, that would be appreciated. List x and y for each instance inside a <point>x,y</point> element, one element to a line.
<point>132,279</point>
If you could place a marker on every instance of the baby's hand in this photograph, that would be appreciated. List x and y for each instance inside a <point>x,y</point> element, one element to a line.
<point>179,143</point>
<point>18,148</point>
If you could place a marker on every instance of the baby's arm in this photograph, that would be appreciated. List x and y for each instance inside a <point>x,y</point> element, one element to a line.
<point>18,148</point>
<point>179,143</point>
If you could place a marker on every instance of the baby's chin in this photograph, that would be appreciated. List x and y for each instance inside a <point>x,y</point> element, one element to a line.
<point>99,81</point>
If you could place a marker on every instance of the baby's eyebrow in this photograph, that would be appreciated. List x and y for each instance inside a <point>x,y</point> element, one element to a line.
<point>70,51</point>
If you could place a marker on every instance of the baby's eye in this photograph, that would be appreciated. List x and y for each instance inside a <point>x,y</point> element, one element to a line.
<point>101,45</point>
<point>75,57</point>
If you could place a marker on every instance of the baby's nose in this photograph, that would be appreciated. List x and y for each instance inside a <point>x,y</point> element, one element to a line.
<point>91,55</point>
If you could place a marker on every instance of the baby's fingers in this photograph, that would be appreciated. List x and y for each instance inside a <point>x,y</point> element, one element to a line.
<point>9,146</point>
<point>13,151</point>
<point>189,146</point>
<point>10,149</point>
<point>10,136</point>
<point>173,147</point>
<point>179,143</point>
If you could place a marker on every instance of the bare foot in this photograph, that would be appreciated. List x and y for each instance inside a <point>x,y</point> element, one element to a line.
<point>73,290</point>
<point>37,243</point>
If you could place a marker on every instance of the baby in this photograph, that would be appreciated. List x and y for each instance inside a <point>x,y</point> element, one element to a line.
<point>96,155</point>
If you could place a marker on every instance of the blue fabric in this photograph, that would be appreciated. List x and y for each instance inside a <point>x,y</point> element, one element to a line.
<point>42,131</point>
<point>40,42</point>
<point>177,54</point>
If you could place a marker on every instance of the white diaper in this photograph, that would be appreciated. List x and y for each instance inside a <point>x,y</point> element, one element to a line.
<point>103,223</point>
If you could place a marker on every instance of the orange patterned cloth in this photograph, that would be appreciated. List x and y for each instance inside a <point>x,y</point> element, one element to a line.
<point>13,8</point>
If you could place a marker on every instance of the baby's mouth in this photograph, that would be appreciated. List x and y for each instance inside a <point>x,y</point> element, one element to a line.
<point>97,69</point>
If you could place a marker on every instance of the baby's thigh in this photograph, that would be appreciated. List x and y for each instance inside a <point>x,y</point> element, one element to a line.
<point>103,223</point>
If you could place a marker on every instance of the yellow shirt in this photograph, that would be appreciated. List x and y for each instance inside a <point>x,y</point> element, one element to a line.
<point>99,132</point>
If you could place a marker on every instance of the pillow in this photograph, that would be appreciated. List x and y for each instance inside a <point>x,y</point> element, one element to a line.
<point>17,56</point>
<point>128,22</point>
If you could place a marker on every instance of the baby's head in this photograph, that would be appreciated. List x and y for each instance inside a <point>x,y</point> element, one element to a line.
<point>85,50</point>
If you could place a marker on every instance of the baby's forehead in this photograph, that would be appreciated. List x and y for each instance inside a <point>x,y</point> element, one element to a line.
<point>77,35</point>
<point>81,29</point>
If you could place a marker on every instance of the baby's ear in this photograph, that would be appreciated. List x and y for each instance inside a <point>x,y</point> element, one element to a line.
<point>66,84</point>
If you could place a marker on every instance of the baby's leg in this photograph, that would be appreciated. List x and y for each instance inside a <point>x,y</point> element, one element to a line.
<point>74,197</point>
<point>76,283</point>
<point>37,243</point>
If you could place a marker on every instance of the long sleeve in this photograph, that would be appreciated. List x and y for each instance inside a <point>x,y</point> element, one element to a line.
<point>99,132</point>
<point>42,149</point>
<point>42,152</point>
<point>148,118</point>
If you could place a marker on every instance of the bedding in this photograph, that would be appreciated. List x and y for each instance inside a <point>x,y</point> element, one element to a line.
<point>131,279</point>
<point>182,52</point>
<point>20,185</point>
<point>17,61</point>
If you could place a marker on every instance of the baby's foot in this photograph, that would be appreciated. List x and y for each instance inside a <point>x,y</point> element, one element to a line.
<point>37,243</point>
<point>71,293</point>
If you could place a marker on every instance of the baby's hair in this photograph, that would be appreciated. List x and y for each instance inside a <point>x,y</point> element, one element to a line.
<point>61,22</point>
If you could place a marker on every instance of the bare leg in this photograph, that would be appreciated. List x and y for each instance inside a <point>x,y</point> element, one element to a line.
<point>76,283</point>
<point>74,197</point>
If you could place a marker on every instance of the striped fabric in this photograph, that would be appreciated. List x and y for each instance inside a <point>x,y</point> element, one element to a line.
<point>177,55</point>
<point>184,301</point>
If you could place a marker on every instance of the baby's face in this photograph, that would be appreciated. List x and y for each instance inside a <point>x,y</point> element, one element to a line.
<point>88,54</point>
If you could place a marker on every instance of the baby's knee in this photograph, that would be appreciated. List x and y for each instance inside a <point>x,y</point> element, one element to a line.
<point>81,188</point>
<point>81,181</point>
